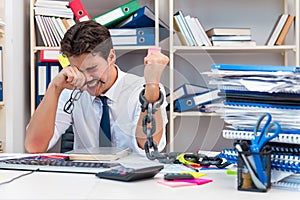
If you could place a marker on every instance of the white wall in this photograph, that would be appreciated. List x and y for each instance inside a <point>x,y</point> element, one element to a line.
<point>16,73</point>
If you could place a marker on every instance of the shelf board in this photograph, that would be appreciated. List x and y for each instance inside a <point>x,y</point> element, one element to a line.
<point>126,48</point>
<point>195,114</point>
<point>241,49</point>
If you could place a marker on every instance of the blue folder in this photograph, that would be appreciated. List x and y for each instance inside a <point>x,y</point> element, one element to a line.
<point>199,99</point>
<point>42,80</point>
<point>145,17</point>
<point>54,69</point>
<point>134,40</point>
<point>263,68</point>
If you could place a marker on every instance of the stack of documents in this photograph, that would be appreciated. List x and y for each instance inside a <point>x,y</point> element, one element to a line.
<point>252,90</point>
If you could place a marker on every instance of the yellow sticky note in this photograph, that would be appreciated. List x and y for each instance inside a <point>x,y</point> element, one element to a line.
<point>63,60</point>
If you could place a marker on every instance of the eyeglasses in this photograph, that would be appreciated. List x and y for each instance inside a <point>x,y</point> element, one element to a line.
<point>76,94</point>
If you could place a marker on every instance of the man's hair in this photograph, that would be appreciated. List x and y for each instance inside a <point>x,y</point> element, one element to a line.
<point>87,37</point>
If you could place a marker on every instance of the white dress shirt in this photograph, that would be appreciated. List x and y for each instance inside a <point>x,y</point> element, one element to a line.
<point>124,108</point>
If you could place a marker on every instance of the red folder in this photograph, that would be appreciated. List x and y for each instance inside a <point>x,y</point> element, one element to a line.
<point>49,55</point>
<point>79,10</point>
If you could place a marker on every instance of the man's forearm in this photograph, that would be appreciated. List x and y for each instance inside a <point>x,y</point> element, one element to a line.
<point>41,126</point>
<point>151,94</point>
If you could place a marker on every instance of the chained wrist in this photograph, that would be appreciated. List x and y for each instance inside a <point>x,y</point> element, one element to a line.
<point>144,102</point>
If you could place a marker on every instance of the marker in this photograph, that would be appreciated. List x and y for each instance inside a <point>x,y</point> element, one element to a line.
<point>192,168</point>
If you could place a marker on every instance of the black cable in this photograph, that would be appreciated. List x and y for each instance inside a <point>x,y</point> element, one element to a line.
<point>17,177</point>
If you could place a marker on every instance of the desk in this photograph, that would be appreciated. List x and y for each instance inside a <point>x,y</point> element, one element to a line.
<point>51,185</point>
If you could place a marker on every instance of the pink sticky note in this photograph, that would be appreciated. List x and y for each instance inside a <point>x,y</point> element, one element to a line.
<point>153,49</point>
<point>184,182</point>
<point>198,181</point>
<point>174,183</point>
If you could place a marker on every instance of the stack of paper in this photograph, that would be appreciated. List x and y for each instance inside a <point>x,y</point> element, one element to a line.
<point>251,90</point>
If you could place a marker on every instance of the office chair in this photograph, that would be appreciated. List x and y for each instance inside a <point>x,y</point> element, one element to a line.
<point>67,140</point>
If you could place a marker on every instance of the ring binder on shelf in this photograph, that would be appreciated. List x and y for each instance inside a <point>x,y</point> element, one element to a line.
<point>279,161</point>
<point>292,137</point>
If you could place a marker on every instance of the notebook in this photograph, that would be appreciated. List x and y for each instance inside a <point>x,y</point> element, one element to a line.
<point>98,153</point>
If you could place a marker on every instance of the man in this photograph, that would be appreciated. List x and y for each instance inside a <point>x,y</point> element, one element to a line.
<point>93,71</point>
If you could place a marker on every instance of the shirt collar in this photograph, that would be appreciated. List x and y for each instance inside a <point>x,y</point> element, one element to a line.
<point>112,93</point>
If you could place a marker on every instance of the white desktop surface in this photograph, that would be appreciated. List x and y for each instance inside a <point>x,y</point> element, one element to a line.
<point>51,185</point>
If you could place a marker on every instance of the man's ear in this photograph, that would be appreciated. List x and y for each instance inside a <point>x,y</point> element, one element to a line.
<point>112,56</point>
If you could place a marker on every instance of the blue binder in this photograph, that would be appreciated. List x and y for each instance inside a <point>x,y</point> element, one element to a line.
<point>132,40</point>
<point>120,32</point>
<point>263,68</point>
<point>187,89</point>
<point>199,99</point>
<point>145,17</point>
<point>42,80</point>
<point>54,69</point>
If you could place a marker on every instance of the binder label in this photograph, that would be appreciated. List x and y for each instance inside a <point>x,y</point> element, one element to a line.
<point>110,16</point>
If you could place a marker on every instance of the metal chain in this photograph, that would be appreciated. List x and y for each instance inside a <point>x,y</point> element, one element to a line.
<point>149,128</point>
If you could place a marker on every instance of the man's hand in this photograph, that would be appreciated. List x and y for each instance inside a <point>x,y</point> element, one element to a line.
<point>69,78</point>
<point>155,63</point>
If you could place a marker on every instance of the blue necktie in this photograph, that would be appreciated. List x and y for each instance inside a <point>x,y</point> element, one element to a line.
<point>104,132</point>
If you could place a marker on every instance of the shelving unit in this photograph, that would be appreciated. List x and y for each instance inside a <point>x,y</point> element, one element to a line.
<point>187,63</point>
<point>184,59</point>
<point>94,9</point>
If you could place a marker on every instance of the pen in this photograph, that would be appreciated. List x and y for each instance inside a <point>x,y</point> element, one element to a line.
<point>192,168</point>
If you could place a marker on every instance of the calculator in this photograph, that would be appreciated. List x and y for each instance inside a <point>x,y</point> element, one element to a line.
<point>122,173</point>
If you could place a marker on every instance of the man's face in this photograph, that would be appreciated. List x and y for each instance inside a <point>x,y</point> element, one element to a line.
<point>94,67</point>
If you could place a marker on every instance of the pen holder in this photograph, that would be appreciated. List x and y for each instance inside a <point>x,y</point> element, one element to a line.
<point>249,180</point>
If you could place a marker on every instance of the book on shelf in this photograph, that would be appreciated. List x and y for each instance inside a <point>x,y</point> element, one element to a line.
<point>231,43</point>
<point>230,37</point>
<point>184,28</point>
<point>203,34</point>
<point>50,10</point>
<point>228,31</point>
<point>194,30</point>
<point>51,3</point>
<point>285,30</point>
<point>116,15</point>
<point>179,31</point>
<point>281,20</point>
<point>98,153</point>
